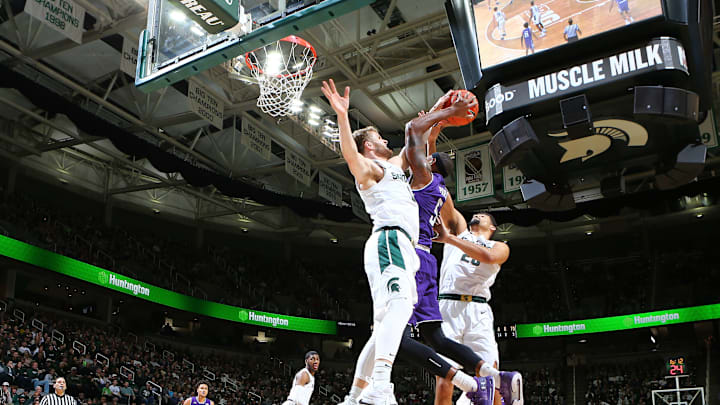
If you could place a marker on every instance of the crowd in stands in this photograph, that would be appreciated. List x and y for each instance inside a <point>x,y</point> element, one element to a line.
<point>215,273</point>
<point>630,383</point>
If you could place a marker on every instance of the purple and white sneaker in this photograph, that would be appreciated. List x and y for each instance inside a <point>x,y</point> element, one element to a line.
<point>511,388</point>
<point>485,393</point>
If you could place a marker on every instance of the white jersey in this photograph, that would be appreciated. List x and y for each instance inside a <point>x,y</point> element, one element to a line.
<point>535,10</point>
<point>461,274</point>
<point>499,17</point>
<point>300,394</point>
<point>390,202</point>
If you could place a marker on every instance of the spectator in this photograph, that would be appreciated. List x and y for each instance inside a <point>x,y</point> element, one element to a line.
<point>5,394</point>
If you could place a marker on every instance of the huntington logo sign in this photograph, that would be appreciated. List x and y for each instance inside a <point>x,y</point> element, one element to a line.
<point>270,320</point>
<point>112,279</point>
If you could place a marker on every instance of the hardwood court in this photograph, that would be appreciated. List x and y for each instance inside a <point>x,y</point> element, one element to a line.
<point>592,16</point>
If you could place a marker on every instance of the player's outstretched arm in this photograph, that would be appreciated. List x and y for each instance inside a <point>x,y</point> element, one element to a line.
<point>187,401</point>
<point>359,165</point>
<point>452,218</point>
<point>497,254</point>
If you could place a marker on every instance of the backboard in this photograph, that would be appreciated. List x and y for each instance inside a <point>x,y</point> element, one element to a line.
<point>175,45</point>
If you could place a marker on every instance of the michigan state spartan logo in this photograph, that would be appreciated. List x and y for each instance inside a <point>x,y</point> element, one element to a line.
<point>103,277</point>
<point>393,286</point>
<point>243,315</point>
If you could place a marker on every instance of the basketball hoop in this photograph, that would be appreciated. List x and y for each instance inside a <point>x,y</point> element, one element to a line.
<point>282,70</point>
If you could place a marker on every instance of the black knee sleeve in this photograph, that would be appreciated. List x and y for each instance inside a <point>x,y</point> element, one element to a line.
<point>432,333</point>
<point>422,356</point>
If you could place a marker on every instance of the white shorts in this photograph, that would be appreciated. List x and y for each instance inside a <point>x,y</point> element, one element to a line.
<point>471,324</point>
<point>501,26</point>
<point>390,265</point>
<point>536,19</point>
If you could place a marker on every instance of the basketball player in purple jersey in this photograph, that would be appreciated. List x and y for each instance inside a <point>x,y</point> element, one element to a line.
<point>526,39</point>
<point>201,398</point>
<point>624,9</point>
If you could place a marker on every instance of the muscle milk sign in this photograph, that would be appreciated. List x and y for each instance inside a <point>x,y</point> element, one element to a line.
<point>659,54</point>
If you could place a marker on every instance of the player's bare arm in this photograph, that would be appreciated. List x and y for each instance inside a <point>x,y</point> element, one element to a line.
<point>187,401</point>
<point>452,218</point>
<point>366,173</point>
<point>303,379</point>
<point>498,254</point>
<point>417,134</point>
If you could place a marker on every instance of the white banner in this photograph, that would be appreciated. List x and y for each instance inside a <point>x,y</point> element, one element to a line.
<point>298,167</point>
<point>61,15</point>
<point>474,173</point>
<point>708,130</point>
<point>358,207</point>
<point>205,104</point>
<point>512,178</point>
<point>330,189</point>
<point>256,140</point>
<point>128,58</point>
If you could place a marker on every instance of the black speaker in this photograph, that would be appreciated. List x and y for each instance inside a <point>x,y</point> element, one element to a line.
<point>688,165</point>
<point>575,110</point>
<point>669,102</point>
<point>510,143</point>
<point>539,196</point>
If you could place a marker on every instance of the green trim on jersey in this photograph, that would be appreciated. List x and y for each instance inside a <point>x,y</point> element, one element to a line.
<point>389,252</point>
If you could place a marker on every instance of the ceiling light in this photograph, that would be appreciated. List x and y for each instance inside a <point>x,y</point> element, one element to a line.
<point>297,103</point>
<point>582,341</point>
<point>156,211</point>
<point>314,116</point>
<point>245,230</point>
<point>699,215</point>
<point>588,233</point>
<point>313,123</point>
<point>333,240</point>
<point>273,63</point>
<point>296,108</point>
<point>197,31</point>
<point>330,122</point>
<point>177,15</point>
<point>299,66</point>
<point>315,109</point>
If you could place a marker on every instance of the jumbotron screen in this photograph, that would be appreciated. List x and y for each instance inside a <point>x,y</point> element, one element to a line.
<point>511,29</point>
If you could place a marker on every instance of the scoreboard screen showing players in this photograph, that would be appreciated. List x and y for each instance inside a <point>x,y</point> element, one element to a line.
<point>511,29</point>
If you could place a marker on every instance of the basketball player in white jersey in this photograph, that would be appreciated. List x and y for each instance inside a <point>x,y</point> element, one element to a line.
<point>500,21</point>
<point>389,257</point>
<point>536,17</point>
<point>471,262</point>
<point>623,9</point>
<point>304,381</point>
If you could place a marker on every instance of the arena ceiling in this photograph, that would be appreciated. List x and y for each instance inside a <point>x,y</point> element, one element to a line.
<point>397,55</point>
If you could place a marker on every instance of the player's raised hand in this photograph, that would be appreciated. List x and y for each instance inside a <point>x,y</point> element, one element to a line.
<point>339,103</point>
<point>463,105</point>
<point>441,101</point>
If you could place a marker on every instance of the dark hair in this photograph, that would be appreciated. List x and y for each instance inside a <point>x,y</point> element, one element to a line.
<point>444,163</point>
<point>492,220</point>
<point>310,354</point>
<point>532,3</point>
<point>570,21</point>
<point>525,24</point>
<point>360,136</point>
<point>201,383</point>
<point>495,9</point>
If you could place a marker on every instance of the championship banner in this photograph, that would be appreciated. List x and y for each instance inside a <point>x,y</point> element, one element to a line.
<point>330,189</point>
<point>128,58</point>
<point>658,54</point>
<point>45,259</point>
<point>298,167</point>
<point>358,207</point>
<point>622,322</point>
<point>512,178</point>
<point>63,16</point>
<point>708,130</point>
<point>256,139</point>
<point>474,171</point>
<point>206,104</point>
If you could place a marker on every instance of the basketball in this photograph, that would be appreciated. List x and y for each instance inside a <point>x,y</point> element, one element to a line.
<point>461,121</point>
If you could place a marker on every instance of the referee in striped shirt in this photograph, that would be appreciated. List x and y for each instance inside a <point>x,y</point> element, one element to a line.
<point>58,397</point>
<point>571,31</point>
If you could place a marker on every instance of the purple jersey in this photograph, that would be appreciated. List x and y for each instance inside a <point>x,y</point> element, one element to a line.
<point>429,200</point>
<point>527,37</point>
<point>623,5</point>
<point>196,402</point>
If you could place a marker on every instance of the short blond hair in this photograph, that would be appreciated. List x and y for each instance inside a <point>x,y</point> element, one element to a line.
<point>361,135</point>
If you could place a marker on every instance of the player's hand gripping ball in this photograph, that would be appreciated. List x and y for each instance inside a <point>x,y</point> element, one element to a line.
<point>471,112</point>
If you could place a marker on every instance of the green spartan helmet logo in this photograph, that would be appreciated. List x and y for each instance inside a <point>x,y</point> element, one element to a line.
<point>103,277</point>
<point>393,285</point>
<point>537,330</point>
<point>243,315</point>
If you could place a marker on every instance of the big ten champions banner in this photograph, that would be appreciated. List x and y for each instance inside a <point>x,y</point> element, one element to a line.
<point>256,139</point>
<point>474,173</point>
<point>206,104</point>
<point>63,16</point>
<point>330,189</point>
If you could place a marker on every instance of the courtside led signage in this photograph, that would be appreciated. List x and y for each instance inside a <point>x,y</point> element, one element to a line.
<point>36,256</point>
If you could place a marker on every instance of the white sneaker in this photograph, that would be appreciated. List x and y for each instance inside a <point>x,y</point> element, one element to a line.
<point>348,401</point>
<point>379,395</point>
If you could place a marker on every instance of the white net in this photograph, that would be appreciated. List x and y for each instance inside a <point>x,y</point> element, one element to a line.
<point>282,70</point>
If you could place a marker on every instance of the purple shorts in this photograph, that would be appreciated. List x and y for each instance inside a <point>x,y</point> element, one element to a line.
<point>427,308</point>
<point>623,6</point>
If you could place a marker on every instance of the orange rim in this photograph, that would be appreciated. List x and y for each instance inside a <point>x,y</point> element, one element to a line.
<point>295,40</point>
